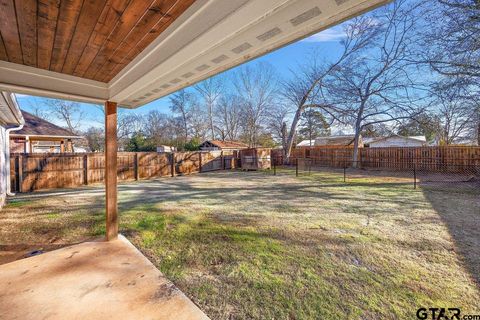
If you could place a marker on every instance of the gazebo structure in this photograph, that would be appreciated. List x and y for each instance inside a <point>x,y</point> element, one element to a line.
<point>128,53</point>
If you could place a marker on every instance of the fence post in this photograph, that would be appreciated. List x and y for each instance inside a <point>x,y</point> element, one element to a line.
<point>344,172</point>
<point>223,160</point>
<point>200,161</point>
<point>172,164</point>
<point>414,176</point>
<point>296,167</point>
<point>274,168</point>
<point>20,173</point>
<point>85,169</point>
<point>135,166</point>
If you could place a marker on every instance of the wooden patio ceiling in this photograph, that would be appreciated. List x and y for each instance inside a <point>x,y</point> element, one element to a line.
<point>135,51</point>
<point>92,39</point>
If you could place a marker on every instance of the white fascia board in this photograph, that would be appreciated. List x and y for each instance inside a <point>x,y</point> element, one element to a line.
<point>34,81</point>
<point>142,81</point>
<point>10,113</point>
<point>42,136</point>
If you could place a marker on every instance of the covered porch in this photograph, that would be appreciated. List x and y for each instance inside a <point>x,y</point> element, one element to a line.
<point>127,54</point>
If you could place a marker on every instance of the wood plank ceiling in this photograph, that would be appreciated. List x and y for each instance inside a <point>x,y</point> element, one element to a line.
<point>93,39</point>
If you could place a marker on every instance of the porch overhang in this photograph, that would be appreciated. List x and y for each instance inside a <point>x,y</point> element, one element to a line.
<point>191,41</point>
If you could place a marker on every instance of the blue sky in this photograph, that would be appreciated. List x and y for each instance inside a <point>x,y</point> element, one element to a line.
<point>283,60</point>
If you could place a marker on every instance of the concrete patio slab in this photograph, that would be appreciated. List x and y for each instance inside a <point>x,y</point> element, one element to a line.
<point>91,280</point>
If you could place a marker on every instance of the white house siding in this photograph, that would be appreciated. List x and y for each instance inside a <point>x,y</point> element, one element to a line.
<point>3,166</point>
<point>396,142</point>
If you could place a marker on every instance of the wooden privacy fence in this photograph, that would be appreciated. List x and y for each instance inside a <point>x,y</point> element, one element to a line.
<point>30,172</point>
<point>448,158</point>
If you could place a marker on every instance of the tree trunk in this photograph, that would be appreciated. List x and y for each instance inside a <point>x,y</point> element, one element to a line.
<point>355,148</point>
<point>291,134</point>
<point>358,129</point>
<point>210,115</point>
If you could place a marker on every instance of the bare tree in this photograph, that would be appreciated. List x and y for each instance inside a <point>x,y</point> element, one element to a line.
<point>211,90</point>
<point>457,117</point>
<point>452,37</point>
<point>39,109</point>
<point>95,139</point>
<point>278,116</point>
<point>198,121</point>
<point>127,125</point>
<point>257,87</point>
<point>375,85</point>
<point>228,117</point>
<point>180,104</point>
<point>69,112</point>
<point>451,47</point>
<point>304,88</point>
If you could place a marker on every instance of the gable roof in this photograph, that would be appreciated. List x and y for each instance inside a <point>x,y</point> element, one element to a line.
<point>343,140</point>
<point>416,138</point>
<point>306,143</point>
<point>227,144</point>
<point>35,126</point>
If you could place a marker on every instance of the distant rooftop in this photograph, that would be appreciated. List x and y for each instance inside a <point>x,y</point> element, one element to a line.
<point>35,126</point>
<point>227,144</point>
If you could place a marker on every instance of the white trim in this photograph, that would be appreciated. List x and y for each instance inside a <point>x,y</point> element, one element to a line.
<point>16,135</point>
<point>29,80</point>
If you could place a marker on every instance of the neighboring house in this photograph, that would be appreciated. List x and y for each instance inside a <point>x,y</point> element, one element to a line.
<point>396,141</point>
<point>10,119</point>
<point>166,149</point>
<point>306,143</point>
<point>338,141</point>
<point>40,136</point>
<point>212,145</point>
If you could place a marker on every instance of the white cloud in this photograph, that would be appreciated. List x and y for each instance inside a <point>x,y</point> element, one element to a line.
<point>332,34</point>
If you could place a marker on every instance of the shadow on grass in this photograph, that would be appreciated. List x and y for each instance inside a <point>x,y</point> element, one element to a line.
<point>461,214</point>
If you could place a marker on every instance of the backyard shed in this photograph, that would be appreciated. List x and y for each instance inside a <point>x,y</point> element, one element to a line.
<point>214,145</point>
<point>255,158</point>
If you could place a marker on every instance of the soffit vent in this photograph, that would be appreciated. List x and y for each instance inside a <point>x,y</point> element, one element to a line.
<point>220,59</point>
<point>203,67</point>
<point>269,34</point>
<point>176,80</point>
<point>187,75</point>
<point>165,86</point>
<point>307,15</point>
<point>241,48</point>
<point>339,2</point>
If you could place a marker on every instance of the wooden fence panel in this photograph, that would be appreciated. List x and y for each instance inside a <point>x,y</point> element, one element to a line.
<point>30,172</point>
<point>153,165</point>
<point>211,161</point>
<point>448,158</point>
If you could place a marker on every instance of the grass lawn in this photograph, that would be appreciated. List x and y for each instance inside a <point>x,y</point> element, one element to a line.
<point>250,245</point>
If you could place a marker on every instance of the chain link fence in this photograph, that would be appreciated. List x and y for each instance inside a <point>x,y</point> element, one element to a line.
<point>442,177</point>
